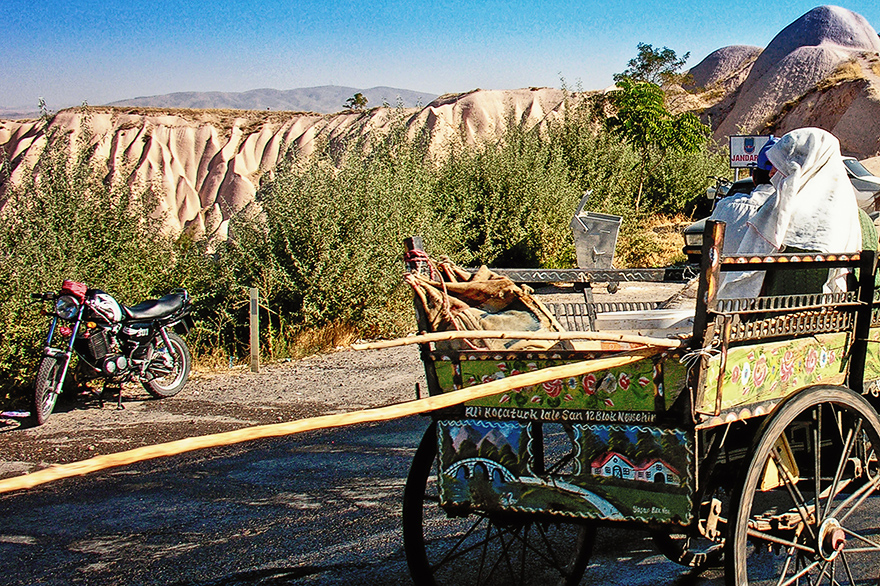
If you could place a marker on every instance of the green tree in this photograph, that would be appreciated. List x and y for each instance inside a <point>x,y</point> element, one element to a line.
<point>642,120</point>
<point>356,102</point>
<point>657,66</point>
<point>619,442</point>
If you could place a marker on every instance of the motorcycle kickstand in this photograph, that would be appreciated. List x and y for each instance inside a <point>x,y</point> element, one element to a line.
<point>119,404</point>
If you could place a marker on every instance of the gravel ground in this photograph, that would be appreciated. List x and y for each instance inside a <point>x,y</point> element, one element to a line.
<point>339,381</point>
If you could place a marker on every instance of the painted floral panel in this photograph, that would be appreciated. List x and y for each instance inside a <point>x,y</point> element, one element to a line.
<point>768,371</point>
<point>629,388</point>
<point>872,360</point>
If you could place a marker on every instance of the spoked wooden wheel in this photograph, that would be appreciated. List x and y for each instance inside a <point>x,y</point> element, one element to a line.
<point>809,508</point>
<point>478,548</point>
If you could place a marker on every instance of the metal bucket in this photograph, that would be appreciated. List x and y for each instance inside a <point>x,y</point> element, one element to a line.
<point>595,237</point>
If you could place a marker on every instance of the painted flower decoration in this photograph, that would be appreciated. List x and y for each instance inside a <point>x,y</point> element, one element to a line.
<point>571,383</point>
<point>786,369</point>
<point>760,372</point>
<point>553,388</point>
<point>623,381</point>
<point>823,358</point>
<point>746,374</point>
<point>644,381</point>
<point>811,359</point>
<point>590,384</point>
<point>608,384</point>
<point>734,374</point>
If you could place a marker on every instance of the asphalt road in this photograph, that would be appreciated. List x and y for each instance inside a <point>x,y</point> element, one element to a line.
<point>320,508</point>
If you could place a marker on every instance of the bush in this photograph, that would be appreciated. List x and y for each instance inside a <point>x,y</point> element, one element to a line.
<point>323,239</point>
<point>507,203</point>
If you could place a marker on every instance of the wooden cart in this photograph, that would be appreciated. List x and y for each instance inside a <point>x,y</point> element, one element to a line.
<point>753,445</point>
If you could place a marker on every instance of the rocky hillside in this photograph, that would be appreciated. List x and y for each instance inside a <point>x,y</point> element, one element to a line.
<point>821,70</point>
<point>209,162</point>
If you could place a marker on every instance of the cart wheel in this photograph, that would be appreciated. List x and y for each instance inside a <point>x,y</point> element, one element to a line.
<point>809,506</point>
<point>476,548</point>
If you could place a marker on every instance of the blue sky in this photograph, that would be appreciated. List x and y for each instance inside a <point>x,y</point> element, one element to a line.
<point>101,51</point>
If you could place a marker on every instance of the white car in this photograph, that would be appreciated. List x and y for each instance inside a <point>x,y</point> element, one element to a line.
<point>867,186</point>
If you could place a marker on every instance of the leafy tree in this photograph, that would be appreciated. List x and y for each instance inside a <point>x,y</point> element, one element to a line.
<point>356,102</point>
<point>642,120</point>
<point>619,442</point>
<point>657,66</point>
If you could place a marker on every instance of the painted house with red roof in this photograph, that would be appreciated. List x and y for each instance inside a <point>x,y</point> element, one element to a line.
<point>614,465</point>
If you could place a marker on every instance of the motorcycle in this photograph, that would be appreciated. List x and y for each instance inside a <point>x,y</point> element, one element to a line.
<point>119,344</point>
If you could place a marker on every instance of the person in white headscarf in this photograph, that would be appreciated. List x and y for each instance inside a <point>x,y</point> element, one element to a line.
<point>814,209</point>
<point>736,210</point>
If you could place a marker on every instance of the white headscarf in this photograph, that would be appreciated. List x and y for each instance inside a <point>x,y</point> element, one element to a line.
<point>814,208</point>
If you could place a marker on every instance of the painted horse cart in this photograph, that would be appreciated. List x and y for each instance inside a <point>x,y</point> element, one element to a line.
<point>749,441</point>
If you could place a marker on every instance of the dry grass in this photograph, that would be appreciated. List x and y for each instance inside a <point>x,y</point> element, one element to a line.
<point>306,343</point>
<point>656,243</point>
<point>214,360</point>
<point>849,71</point>
<point>281,346</point>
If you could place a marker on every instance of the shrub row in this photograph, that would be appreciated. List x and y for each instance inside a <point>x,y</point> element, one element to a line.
<point>322,240</point>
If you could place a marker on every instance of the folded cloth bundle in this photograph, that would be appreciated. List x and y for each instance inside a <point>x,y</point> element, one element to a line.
<point>460,300</point>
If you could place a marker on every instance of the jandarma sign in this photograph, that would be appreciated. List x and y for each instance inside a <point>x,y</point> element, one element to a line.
<point>744,149</point>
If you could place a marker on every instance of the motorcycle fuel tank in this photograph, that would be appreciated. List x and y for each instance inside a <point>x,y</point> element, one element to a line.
<point>104,307</point>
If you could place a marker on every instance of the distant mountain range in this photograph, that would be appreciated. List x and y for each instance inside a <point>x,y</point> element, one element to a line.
<point>323,99</point>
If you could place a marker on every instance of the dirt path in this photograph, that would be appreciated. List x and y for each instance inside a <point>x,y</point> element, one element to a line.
<point>340,381</point>
<point>212,402</point>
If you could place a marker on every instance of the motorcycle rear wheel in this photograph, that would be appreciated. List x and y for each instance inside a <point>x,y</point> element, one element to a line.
<point>46,387</point>
<point>167,384</point>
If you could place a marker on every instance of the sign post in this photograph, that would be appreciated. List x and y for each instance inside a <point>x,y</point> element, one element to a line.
<point>744,149</point>
<point>255,329</point>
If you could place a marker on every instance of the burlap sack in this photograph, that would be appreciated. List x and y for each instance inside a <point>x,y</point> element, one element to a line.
<point>461,301</point>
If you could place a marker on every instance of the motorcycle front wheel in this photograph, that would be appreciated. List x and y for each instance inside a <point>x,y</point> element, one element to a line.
<point>169,367</point>
<point>46,387</point>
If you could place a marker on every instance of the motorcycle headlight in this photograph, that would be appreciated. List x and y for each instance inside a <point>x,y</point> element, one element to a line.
<point>695,240</point>
<point>66,307</point>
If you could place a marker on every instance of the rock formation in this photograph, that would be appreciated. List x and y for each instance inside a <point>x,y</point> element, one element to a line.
<point>822,70</point>
<point>807,52</point>
<point>724,69</point>
<point>209,162</point>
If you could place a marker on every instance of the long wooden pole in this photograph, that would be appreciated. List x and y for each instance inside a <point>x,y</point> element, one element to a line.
<point>324,422</point>
<point>508,335</point>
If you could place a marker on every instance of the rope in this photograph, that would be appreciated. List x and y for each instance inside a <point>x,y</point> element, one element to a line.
<point>692,358</point>
<point>434,403</point>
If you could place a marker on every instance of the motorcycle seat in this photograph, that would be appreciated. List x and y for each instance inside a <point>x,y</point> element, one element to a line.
<point>155,308</point>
